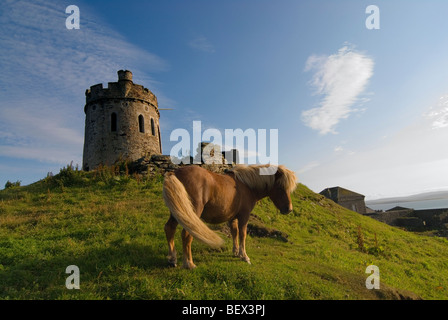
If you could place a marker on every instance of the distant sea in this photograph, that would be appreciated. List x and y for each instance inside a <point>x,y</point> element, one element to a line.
<point>422,204</point>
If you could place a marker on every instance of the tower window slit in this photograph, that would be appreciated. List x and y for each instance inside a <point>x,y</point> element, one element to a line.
<point>113,122</point>
<point>141,124</point>
<point>153,130</point>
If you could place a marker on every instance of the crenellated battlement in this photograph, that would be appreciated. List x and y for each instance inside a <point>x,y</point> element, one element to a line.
<point>123,89</point>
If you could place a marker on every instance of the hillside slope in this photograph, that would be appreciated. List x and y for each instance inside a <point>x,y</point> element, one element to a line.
<point>111,227</point>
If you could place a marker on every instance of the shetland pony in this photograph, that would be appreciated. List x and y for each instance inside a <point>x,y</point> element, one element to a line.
<point>192,193</point>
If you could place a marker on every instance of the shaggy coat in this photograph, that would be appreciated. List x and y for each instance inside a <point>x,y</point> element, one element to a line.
<point>194,195</point>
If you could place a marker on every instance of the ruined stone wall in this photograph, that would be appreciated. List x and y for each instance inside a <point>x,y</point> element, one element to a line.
<point>428,219</point>
<point>160,164</point>
<point>390,217</point>
<point>122,123</point>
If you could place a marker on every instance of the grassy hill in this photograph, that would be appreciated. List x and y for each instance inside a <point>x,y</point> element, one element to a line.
<point>111,227</point>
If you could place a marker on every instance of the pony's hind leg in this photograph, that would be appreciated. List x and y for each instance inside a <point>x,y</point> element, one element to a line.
<point>242,226</point>
<point>233,225</point>
<point>170,229</point>
<point>187,239</point>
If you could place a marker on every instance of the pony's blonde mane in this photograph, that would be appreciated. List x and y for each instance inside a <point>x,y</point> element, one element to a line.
<point>251,177</point>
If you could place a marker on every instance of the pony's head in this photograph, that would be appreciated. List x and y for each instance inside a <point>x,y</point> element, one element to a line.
<point>284,185</point>
<point>276,182</point>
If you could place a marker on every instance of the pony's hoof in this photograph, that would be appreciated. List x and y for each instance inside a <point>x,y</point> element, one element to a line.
<point>189,266</point>
<point>172,262</point>
<point>246,259</point>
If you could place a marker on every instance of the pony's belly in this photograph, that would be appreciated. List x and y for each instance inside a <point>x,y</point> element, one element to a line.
<point>216,215</point>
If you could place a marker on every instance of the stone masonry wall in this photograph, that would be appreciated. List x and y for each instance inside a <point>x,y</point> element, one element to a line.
<point>105,142</point>
<point>162,164</point>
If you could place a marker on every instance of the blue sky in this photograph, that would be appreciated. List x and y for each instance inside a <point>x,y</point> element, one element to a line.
<point>363,109</point>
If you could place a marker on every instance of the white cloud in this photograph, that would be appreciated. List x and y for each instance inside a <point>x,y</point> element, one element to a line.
<point>308,167</point>
<point>338,149</point>
<point>413,160</point>
<point>42,153</point>
<point>37,46</point>
<point>201,43</point>
<point>45,135</point>
<point>45,125</point>
<point>340,79</point>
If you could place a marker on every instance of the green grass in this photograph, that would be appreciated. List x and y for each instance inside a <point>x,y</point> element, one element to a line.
<point>111,227</point>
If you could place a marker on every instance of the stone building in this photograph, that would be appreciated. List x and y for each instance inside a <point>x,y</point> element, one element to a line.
<point>423,219</point>
<point>122,123</point>
<point>346,198</point>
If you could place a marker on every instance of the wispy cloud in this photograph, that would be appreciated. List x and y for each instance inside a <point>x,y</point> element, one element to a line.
<point>308,167</point>
<point>36,45</point>
<point>438,115</point>
<point>340,79</point>
<point>46,69</point>
<point>45,135</point>
<point>201,43</point>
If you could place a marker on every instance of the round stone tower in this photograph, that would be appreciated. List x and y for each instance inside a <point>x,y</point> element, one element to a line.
<point>122,123</point>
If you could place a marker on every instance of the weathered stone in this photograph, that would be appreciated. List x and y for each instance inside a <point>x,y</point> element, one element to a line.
<point>122,123</point>
<point>160,157</point>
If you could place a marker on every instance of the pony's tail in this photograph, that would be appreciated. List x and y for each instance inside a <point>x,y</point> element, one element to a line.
<point>178,201</point>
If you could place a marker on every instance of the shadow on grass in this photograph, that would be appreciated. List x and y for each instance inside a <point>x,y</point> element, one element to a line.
<point>45,277</point>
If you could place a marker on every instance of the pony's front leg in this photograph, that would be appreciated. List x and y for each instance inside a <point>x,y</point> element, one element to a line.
<point>233,225</point>
<point>242,226</point>
<point>187,239</point>
<point>170,229</point>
